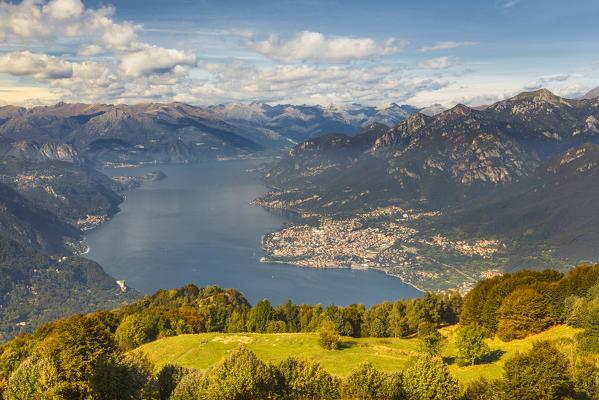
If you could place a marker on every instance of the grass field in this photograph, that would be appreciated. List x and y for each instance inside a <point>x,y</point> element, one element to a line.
<point>388,354</point>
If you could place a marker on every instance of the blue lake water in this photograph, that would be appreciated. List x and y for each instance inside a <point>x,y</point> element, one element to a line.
<point>197,226</point>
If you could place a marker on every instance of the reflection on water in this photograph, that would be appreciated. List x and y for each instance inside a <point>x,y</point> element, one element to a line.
<point>197,227</point>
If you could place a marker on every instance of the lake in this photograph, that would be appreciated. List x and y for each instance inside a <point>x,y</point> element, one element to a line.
<point>197,226</point>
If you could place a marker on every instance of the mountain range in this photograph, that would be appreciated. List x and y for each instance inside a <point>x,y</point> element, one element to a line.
<point>432,162</point>
<point>175,132</point>
<point>499,188</point>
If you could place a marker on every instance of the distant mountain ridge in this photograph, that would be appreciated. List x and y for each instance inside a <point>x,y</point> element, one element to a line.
<point>176,132</point>
<point>435,161</point>
<point>591,94</point>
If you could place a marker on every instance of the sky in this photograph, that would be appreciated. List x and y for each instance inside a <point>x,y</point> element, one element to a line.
<point>299,52</point>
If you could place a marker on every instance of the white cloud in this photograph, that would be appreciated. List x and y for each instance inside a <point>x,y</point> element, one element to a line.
<point>90,50</point>
<point>155,60</point>
<point>446,46</point>
<point>544,81</point>
<point>308,84</point>
<point>24,19</point>
<point>440,63</point>
<point>510,4</point>
<point>63,9</point>
<point>39,66</point>
<point>318,48</point>
<point>53,20</point>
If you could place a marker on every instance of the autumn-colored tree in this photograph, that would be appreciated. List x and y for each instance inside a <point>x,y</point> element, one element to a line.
<point>524,312</point>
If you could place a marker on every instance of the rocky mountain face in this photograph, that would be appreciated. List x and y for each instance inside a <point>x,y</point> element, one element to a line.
<point>175,132</point>
<point>432,162</point>
<point>554,207</point>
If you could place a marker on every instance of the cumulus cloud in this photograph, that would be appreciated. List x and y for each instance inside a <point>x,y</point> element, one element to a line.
<point>39,66</point>
<point>63,9</point>
<point>89,50</point>
<point>312,69</point>
<point>440,63</point>
<point>155,60</point>
<point>34,19</point>
<point>318,48</point>
<point>446,46</point>
<point>311,84</point>
<point>24,20</point>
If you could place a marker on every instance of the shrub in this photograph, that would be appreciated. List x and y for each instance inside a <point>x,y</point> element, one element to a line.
<point>366,382</point>
<point>541,373</point>
<point>428,378</point>
<point>328,338</point>
<point>241,376</point>
<point>307,380</point>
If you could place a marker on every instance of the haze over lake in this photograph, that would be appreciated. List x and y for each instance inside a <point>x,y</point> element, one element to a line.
<point>197,226</point>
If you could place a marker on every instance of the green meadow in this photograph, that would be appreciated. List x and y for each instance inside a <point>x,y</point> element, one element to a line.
<point>387,354</point>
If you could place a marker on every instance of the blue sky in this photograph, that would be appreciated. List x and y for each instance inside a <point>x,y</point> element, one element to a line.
<point>314,52</point>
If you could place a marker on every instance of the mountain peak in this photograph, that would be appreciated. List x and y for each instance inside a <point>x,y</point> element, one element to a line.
<point>591,94</point>
<point>538,95</point>
<point>459,109</point>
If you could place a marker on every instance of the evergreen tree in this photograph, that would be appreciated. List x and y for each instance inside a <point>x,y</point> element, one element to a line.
<point>259,316</point>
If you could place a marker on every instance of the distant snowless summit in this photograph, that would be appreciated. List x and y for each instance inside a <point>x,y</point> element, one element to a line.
<point>593,93</point>
<point>177,132</point>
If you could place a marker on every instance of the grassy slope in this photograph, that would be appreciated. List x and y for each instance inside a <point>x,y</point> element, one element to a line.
<point>388,354</point>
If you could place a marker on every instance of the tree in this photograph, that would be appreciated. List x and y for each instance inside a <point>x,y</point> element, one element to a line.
<point>132,332</point>
<point>119,378</point>
<point>430,339</point>
<point>241,376</point>
<point>470,341</point>
<point>259,316</point>
<point>366,382</point>
<point>588,339</point>
<point>189,388</point>
<point>541,373</point>
<point>307,380</point>
<point>168,378</point>
<point>428,378</point>
<point>328,338</point>
<point>35,379</point>
<point>524,312</point>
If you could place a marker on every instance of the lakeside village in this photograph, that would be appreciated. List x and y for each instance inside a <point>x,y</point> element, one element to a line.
<point>380,239</point>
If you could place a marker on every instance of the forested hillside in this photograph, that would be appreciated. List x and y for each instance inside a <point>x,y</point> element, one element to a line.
<point>78,357</point>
